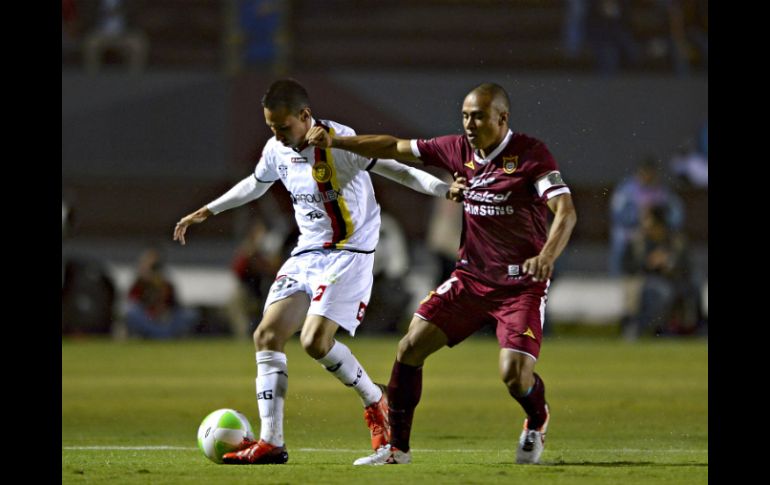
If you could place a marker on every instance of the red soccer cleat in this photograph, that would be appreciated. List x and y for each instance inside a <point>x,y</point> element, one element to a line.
<point>259,453</point>
<point>376,417</point>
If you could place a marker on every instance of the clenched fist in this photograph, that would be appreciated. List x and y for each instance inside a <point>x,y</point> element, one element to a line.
<point>319,137</point>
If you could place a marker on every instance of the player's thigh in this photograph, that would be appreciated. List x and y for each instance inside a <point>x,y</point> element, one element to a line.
<point>282,319</point>
<point>422,339</point>
<point>519,319</point>
<point>456,307</point>
<point>340,285</point>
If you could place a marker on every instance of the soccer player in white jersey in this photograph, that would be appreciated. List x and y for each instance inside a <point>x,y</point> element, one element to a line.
<point>327,281</point>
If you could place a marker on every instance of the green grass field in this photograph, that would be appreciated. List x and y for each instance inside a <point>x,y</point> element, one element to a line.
<point>621,413</point>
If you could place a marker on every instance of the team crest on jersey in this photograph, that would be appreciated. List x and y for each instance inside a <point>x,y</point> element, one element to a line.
<point>282,171</point>
<point>322,172</point>
<point>470,165</point>
<point>510,164</point>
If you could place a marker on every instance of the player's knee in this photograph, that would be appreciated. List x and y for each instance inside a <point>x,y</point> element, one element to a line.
<point>515,385</point>
<point>410,352</point>
<point>517,381</point>
<point>316,344</point>
<point>265,338</point>
<point>420,341</point>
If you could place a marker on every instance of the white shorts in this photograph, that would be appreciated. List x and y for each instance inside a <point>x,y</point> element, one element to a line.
<point>338,283</point>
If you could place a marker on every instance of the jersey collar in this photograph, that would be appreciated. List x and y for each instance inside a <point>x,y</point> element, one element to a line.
<point>305,144</point>
<point>495,153</point>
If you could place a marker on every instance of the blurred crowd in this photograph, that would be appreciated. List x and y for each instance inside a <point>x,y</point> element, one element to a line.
<point>607,35</point>
<point>648,254</point>
<point>648,247</point>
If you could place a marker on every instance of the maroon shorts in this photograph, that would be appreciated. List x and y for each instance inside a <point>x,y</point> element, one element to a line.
<point>462,305</point>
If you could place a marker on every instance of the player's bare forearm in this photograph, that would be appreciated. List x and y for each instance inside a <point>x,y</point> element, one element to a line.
<point>564,222</point>
<point>559,235</point>
<point>193,218</point>
<point>565,218</point>
<point>370,146</point>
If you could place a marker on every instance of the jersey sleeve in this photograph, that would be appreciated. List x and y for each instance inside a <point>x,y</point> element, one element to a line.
<point>548,180</point>
<point>265,171</point>
<point>355,160</point>
<point>443,152</point>
<point>411,177</point>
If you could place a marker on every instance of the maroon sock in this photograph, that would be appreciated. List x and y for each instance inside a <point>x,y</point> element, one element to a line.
<point>404,390</point>
<point>534,404</point>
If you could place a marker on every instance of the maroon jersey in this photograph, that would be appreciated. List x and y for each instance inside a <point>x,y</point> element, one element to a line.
<point>506,217</point>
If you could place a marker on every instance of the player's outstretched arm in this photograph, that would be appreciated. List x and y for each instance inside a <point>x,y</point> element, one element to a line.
<point>411,177</point>
<point>370,146</point>
<point>192,218</point>
<point>565,217</point>
<point>241,193</point>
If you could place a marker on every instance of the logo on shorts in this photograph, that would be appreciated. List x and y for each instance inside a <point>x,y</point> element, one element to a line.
<point>361,312</point>
<point>322,172</point>
<point>282,282</point>
<point>529,333</point>
<point>470,165</point>
<point>319,293</point>
<point>510,164</point>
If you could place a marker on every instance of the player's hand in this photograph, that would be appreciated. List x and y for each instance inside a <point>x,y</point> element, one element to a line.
<point>457,190</point>
<point>540,267</point>
<point>319,137</point>
<point>194,218</point>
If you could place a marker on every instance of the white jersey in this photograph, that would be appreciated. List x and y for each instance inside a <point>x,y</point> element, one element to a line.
<point>333,197</point>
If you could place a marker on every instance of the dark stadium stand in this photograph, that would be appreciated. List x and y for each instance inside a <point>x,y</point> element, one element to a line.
<point>393,34</point>
<point>139,152</point>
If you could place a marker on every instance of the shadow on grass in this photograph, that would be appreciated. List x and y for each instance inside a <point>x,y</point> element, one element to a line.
<point>613,464</point>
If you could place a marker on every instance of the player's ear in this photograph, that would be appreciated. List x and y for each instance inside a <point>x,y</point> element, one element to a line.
<point>304,115</point>
<point>503,118</point>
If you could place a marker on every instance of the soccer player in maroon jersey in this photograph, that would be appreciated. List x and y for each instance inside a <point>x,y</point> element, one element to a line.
<point>505,260</point>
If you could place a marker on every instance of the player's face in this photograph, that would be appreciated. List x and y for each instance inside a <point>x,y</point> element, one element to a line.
<point>485,125</point>
<point>289,128</point>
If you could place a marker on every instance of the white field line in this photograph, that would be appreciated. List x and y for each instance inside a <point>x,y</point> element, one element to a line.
<point>416,450</point>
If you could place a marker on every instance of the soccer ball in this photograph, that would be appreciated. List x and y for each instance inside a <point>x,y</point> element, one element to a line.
<point>223,431</point>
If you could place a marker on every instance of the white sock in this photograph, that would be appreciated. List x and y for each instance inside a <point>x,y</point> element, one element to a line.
<point>341,362</point>
<point>272,383</point>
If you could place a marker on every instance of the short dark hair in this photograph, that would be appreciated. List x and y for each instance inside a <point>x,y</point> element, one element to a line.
<point>496,92</point>
<point>286,93</point>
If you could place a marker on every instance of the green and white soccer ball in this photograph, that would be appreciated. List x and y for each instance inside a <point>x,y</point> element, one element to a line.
<point>223,431</point>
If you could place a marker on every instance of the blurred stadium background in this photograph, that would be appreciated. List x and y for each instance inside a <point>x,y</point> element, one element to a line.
<point>156,128</point>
